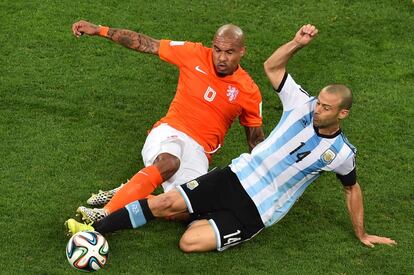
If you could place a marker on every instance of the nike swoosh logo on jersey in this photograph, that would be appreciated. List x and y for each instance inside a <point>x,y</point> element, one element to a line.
<point>200,70</point>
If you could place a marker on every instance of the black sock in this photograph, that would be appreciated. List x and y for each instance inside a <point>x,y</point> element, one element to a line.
<point>113,222</point>
<point>133,215</point>
<point>146,210</point>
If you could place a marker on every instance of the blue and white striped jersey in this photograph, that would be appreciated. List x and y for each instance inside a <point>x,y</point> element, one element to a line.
<point>278,170</point>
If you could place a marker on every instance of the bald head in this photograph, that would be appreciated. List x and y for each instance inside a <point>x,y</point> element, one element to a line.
<point>343,91</point>
<point>227,49</point>
<point>231,32</point>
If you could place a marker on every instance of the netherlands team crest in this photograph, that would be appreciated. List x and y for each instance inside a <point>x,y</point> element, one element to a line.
<point>232,93</point>
<point>328,156</point>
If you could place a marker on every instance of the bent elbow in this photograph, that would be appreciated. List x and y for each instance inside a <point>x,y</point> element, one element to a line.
<point>267,67</point>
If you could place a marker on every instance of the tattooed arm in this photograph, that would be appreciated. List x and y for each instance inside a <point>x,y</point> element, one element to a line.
<point>129,39</point>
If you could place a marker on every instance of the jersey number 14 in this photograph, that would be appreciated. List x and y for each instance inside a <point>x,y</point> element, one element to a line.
<point>300,156</point>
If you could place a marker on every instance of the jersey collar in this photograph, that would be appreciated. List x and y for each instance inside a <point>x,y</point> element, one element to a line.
<point>327,136</point>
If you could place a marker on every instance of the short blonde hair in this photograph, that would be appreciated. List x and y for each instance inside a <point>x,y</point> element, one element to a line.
<point>342,90</point>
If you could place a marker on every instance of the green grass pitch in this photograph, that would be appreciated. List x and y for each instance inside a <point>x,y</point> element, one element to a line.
<point>74,115</point>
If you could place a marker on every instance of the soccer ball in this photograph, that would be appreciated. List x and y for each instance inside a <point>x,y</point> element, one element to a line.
<point>87,251</point>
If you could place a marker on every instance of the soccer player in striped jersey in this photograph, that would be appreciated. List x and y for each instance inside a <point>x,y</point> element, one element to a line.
<point>257,189</point>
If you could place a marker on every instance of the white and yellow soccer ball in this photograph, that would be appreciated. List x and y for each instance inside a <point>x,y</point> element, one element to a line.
<point>87,251</point>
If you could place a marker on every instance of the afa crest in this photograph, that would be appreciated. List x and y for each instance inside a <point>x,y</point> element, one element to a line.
<point>328,156</point>
<point>192,184</point>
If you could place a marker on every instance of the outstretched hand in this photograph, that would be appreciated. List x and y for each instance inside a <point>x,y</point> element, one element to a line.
<point>305,34</point>
<point>84,27</point>
<point>370,240</point>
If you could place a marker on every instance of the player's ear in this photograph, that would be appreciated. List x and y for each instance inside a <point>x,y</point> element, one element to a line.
<point>243,51</point>
<point>343,113</point>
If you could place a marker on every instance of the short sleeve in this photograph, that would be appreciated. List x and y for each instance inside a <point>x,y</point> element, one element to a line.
<point>251,115</point>
<point>346,172</point>
<point>290,93</point>
<point>348,179</point>
<point>177,52</point>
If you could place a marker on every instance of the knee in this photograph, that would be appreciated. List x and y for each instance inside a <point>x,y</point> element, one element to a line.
<point>187,244</point>
<point>161,205</point>
<point>167,164</point>
<point>197,240</point>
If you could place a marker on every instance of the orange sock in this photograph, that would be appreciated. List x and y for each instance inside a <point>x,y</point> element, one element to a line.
<point>139,186</point>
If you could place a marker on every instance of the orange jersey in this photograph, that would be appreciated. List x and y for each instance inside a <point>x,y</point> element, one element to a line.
<point>205,105</point>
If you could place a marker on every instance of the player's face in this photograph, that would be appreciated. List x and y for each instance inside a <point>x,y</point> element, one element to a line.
<point>226,55</point>
<point>328,112</point>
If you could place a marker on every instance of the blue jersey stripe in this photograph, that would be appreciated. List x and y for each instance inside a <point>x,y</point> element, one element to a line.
<point>285,115</point>
<point>258,159</point>
<point>284,188</point>
<point>316,166</point>
<point>282,211</point>
<point>280,167</point>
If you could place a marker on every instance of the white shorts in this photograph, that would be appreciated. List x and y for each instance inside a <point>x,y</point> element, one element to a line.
<point>166,139</point>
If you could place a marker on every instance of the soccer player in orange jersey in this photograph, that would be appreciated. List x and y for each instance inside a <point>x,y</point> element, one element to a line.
<point>212,91</point>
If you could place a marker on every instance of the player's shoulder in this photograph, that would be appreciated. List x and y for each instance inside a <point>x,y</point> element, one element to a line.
<point>197,47</point>
<point>246,81</point>
<point>288,83</point>
<point>347,143</point>
<point>188,45</point>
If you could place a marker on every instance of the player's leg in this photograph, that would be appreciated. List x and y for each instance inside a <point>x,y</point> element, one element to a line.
<point>217,230</point>
<point>140,186</point>
<point>135,214</point>
<point>162,152</point>
<point>182,159</point>
<point>139,212</point>
<point>220,198</point>
<point>177,157</point>
<point>144,182</point>
<point>199,237</point>
<point>161,139</point>
<point>194,163</point>
<point>179,160</point>
<point>187,197</point>
<point>184,198</point>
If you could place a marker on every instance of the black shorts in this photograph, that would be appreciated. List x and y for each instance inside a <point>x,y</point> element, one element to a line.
<point>219,197</point>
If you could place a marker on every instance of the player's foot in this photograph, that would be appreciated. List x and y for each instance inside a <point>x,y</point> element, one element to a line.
<point>90,215</point>
<point>103,197</point>
<point>74,227</point>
